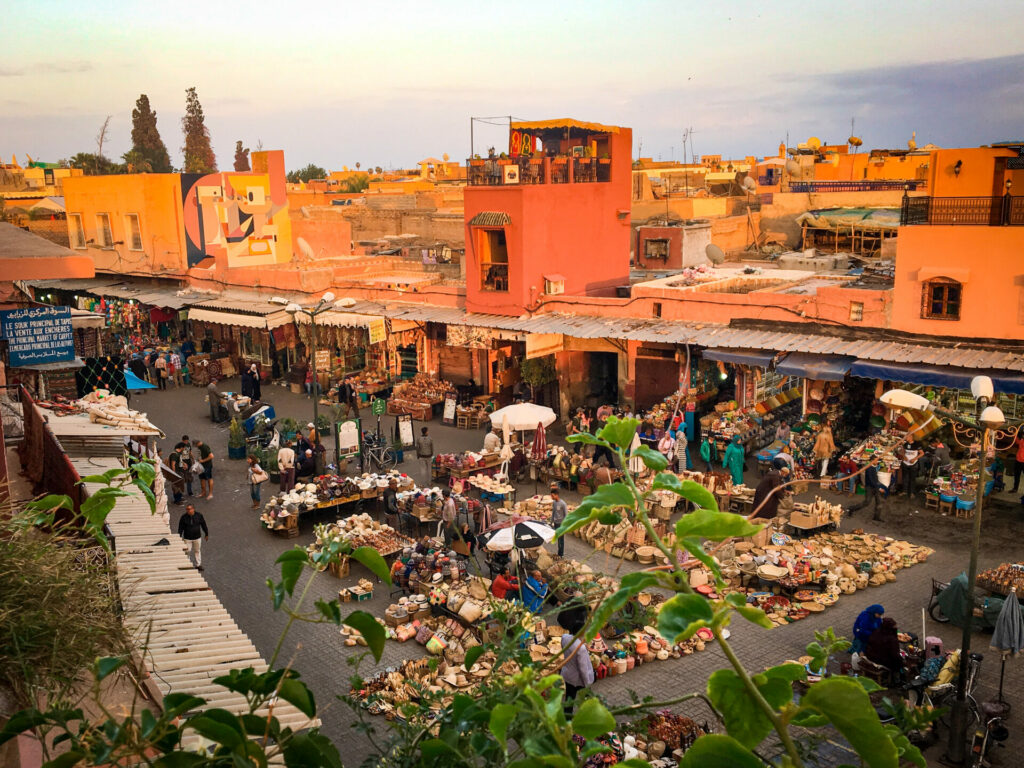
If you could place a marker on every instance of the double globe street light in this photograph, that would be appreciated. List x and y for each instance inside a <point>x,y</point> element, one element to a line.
<point>983,431</point>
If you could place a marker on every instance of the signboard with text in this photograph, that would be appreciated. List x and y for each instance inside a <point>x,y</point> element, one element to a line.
<point>37,335</point>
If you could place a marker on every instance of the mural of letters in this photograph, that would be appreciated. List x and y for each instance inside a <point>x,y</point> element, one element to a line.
<point>241,217</point>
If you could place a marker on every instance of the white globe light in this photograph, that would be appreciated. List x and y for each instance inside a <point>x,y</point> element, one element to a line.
<point>901,398</point>
<point>328,297</point>
<point>981,386</point>
<point>293,308</point>
<point>992,417</point>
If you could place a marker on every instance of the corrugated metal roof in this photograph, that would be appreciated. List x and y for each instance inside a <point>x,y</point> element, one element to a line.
<point>490,219</point>
<point>246,305</point>
<point>958,355</point>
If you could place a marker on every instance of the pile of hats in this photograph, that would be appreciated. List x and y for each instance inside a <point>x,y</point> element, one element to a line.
<point>490,485</point>
<point>360,531</point>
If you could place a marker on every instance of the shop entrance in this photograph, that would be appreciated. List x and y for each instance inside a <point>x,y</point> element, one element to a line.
<point>656,378</point>
<point>603,377</point>
<point>408,357</point>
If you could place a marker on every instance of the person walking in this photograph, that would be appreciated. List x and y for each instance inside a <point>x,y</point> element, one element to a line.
<point>206,477</point>
<point>578,670</point>
<point>682,460</point>
<point>767,496</point>
<point>390,500</point>
<point>161,371</point>
<point>174,461</point>
<point>425,452</point>
<point>286,466</point>
<point>151,372</point>
<point>824,447</point>
<point>187,460</point>
<point>254,376</point>
<point>213,395</point>
<point>256,478</point>
<point>873,491</point>
<point>193,531</point>
<point>708,454</point>
<point>176,369</point>
<point>733,460</point>
<point>559,509</point>
<point>447,516</point>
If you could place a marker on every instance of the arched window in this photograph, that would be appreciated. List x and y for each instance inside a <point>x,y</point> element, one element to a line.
<point>941,299</point>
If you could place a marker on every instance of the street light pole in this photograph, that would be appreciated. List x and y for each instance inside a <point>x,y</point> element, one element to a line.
<point>325,303</point>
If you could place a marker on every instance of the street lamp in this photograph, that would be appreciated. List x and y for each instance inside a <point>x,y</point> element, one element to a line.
<point>324,305</point>
<point>990,419</point>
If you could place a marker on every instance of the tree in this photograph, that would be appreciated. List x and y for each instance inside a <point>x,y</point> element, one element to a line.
<point>135,161</point>
<point>101,137</point>
<point>356,183</point>
<point>148,149</point>
<point>357,166</point>
<point>306,174</point>
<point>199,157</point>
<point>95,165</point>
<point>241,157</point>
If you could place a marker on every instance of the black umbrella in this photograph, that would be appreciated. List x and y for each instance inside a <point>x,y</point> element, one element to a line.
<point>524,534</point>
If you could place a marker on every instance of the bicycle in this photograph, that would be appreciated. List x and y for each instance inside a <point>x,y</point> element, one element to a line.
<point>380,453</point>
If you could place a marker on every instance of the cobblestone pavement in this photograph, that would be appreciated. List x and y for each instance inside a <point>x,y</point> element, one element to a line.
<point>239,558</point>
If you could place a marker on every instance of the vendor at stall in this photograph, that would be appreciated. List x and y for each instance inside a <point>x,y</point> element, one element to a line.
<point>867,622</point>
<point>734,459</point>
<point>883,648</point>
<point>492,441</point>
<point>505,586</point>
<point>534,591</point>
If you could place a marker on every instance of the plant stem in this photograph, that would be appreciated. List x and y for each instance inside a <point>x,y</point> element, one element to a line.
<point>778,723</point>
<point>641,511</point>
<point>658,704</point>
<point>292,616</point>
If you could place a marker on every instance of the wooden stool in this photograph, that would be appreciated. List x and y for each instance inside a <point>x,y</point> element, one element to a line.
<point>462,421</point>
<point>931,501</point>
<point>946,504</point>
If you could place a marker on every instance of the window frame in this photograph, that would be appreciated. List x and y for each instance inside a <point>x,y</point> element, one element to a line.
<point>484,233</point>
<point>80,244</point>
<point>929,302</point>
<point>856,311</point>
<point>129,233</point>
<point>103,230</point>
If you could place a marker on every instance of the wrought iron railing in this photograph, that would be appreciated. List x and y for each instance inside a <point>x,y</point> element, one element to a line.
<point>490,172</point>
<point>865,185</point>
<point>1001,211</point>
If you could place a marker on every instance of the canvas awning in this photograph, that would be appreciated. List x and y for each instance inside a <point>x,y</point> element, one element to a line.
<point>816,367</point>
<point>936,375</point>
<point>340,319</point>
<point>758,358</point>
<point>490,219</point>
<point>562,123</point>
<point>229,318</point>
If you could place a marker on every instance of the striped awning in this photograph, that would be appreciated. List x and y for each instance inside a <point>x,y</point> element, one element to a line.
<point>490,219</point>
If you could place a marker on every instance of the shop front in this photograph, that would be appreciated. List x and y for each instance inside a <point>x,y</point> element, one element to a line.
<point>230,340</point>
<point>349,345</point>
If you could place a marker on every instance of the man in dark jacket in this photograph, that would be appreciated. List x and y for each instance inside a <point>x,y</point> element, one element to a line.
<point>767,493</point>
<point>873,490</point>
<point>193,531</point>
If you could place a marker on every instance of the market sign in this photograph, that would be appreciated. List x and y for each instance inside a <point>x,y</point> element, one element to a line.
<point>37,335</point>
<point>378,330</point>
<point>379,406</point>
<point>542,344</point>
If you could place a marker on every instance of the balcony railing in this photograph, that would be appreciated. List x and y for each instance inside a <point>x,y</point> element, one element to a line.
<point>537,170</point>
<point>1001,211</point>
<point>865,185</point>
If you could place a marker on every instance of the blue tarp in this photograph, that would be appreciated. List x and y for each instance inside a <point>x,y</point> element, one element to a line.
<point>133,382</point>
<point>936,376</point>
<point>756,357</point>
<point>816,367</point>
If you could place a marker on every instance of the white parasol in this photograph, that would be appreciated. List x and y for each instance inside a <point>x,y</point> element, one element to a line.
<point>523,416</point>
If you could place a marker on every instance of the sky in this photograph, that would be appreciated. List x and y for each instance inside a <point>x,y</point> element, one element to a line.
<point>389,83</point>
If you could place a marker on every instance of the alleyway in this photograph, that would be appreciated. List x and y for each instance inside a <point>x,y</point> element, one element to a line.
<point>240,557</point>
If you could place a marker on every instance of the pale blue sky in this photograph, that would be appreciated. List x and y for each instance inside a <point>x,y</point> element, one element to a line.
<point>390,82</point>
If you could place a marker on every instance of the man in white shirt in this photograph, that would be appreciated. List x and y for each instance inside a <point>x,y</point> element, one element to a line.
<point>286,466</point>
<point>492,442</point>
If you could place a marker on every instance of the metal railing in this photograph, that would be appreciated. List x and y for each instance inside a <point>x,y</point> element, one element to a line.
<point>490,172</point>
<point>1000,211</point>
<point>865,185</point>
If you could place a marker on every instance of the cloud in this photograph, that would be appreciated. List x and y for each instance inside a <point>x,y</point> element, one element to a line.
<point>49,68</point>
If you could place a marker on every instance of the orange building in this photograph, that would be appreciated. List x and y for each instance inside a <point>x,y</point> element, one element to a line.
<point>551,219</point>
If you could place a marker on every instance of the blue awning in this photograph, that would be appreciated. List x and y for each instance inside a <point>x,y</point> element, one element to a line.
<point>134,383</point>
<point>816,367</point>
<point>759,358</point>
<point>936,375</point>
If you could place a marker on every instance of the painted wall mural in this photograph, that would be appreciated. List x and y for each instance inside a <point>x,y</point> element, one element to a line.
<point>240,217</point>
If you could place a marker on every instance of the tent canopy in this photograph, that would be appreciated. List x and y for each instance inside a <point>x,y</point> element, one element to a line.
<point>936,376</point>
<point>759,358</point>
<point>816,367</point>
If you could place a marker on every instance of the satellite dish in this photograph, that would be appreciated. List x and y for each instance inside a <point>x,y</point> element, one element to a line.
<point>749,184</point>
<point>854,141</point>
<point>305,247</point>
<point>792,167</point>
<point>715,254</point>
<point>814,142</point>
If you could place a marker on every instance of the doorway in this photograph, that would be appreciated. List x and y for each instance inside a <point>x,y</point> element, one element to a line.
<point>603,370</point>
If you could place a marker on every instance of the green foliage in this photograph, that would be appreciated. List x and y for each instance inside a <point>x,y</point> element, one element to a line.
<point>199,156</point>
<point>95,165</point>
<point>308,173</point>
<point>353,184</point>
<point>148,153</point>
<point>236,435</point>
<point>538,371</point>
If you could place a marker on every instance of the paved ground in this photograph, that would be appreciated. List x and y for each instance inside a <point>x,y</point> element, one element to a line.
<point>240,557</point>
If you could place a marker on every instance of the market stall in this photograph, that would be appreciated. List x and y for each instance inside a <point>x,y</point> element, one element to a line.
<point>755,425</point>
<point>361,530</point>
<point>421,397</point>
<point>327,493</point>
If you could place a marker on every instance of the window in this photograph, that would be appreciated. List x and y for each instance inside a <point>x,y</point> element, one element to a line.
<point>657,309</point>
<point>656,249</point>
<point>856,311</point>
<point>941,299</point>
<point>76,232</point>
<point>554,285</point>
<point>104,237</point>
<point>493,260</point>
<point>133,229</point>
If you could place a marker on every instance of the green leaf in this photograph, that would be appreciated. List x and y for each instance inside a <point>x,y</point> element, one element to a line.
<point>176,704</point>
<point>744,719</point>
<point>586,438</point>
<point>683,615</point>
<point>104,479</point>
<point>371,558</point>
<point>592,719</point>
<point>145,471</point>
<point>652,459</point>
<point>52,501</point>
<point>212,728</point>
<point>147,492</point>
<point>276,593</point>
<point>106,665</point>
<point>435,748</point>
<point>787,672</point>
<point>715,525</point>
<point>147,722</point>
<point>371,631</point>
<point>291,562</point>
<point>619,432</point>
<point>472,655</point>
<point>67,760</point>
<point>180,760</point>
<point>714,750</point>
<point>693,545</point>
<point>501,716</point>
<point>847,706</point>
<point>755,615</point>
<point>736,599</point>
<point>869,685</point>
<point>630,586</point>
<point>330,610</point>
<point>693,492</point>
<point>296,693</point>
<point>808,718</point>
<point>633,762</point>
<point>312,748</point>
<point>610,496</point>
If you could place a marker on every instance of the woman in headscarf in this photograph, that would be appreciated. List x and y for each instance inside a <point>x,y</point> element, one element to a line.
<point>883,648</point>
<point>867,622</point>
<point>733,460</point>
<point>255,375</point>
<point>246,384</point>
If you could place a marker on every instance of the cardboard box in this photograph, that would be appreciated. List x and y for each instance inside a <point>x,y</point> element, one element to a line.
<point>344,596</point>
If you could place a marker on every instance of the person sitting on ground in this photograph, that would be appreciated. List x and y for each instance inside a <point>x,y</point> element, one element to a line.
<point>534,591</point>
<point>883,648</point>
<point>505,586</point>
<point>867,622</point>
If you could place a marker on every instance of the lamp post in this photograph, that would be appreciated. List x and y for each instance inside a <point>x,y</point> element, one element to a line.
<point>326,302</point>
<point>989,420</point>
